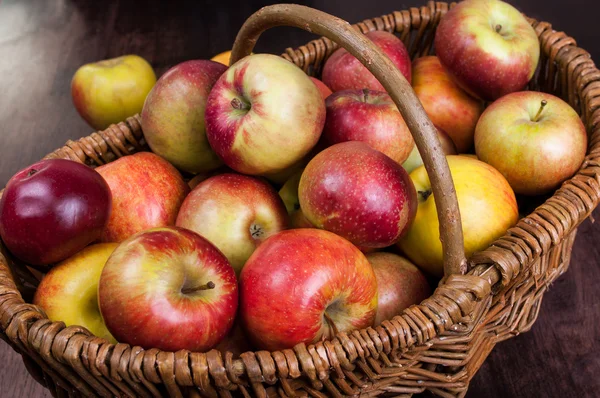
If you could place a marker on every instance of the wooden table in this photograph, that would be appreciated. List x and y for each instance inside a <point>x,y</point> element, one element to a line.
<point>43,42</point>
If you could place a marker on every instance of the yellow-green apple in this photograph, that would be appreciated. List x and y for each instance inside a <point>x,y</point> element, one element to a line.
<point>487,209</point>
<point>289,192</point>
<point>147,192</point>
<point>399,284</point>
<point>168,288</point>
<point>448,106</point>
<point>368,116</point>
<point>263,115</point>
<point>52,209</point>
<point>323,89</point>
<point>414,159</point>
<point>488,47</point>
<point>173,115</point>
<point>304,285</point>
<point>299,220</point>
<point>110,91</point>
<point>342,71</point>
<point>536,140</point>
<point>358,193</point>
<point>235,213</point>
<point>69,291</point>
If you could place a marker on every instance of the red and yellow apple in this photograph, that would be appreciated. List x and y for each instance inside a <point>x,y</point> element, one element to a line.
<point>147,192</point>
<point>487,204</point>
<point>536,140</point>
<point>69,291</point>
<point>323,89</point>
<point>168,288</point>
<point>304,285</point>
<point>368,116</point>
<point>173,116</point>
<point>358,193</point>
<point>110,91</point>
<point>488,47</point>
<point>400,284</point>
<point>414,159</point>
<point>263,115</point>
<point>234,212</point>
<point>342,71</point>
<point>52,209</point>
<point>448,106</point>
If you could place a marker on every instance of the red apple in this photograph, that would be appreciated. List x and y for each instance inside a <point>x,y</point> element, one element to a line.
<point>488,47</point>
<point>342,71</point>
<point>414,159</point>
<point>358,193</point>
<point>168,288</point>
<point>235,213</point>
<point>448,106</point>
<point>536,140</point>
<point>303,285</point>
<point>53,209</point>
<point>323,89</point>
<point>173,115</point>
<point>399,284</point>
<point>367,116</point>
<point>263,115</point>
<point>147,192</point>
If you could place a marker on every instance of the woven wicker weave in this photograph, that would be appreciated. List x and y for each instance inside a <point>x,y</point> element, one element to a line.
<point>436,346</point>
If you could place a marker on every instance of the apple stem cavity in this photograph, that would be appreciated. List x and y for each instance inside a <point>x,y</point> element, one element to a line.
<point>240,105</point>
<point>31,172</point>
<point>539,112</point>
<point>207,286</point>
<point>423,195</point>
<point>498,28</point>
<point>331,324</point>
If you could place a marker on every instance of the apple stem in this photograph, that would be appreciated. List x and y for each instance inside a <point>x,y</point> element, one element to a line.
<point>236,103</point>
<point>539,113</point>
<point>31,172</point>
<point>365,94</point>
<point>498,28</point>
<point>208,286</point>
<point>331,324</point>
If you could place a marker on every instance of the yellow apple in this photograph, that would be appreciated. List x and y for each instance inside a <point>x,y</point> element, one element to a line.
<point>223,58</point>
<point>69,292</point>
<point>110,91</point>
<point>289,192</point>
<point>487,204</point>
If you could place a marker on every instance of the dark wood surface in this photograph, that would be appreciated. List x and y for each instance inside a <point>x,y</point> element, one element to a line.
<point>43,42</point>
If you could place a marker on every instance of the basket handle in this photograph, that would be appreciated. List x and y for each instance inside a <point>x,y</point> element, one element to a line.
<point>400,91</point>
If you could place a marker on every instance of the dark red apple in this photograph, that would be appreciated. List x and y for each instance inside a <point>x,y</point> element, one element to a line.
<point>367,116</point>
<point>52,209</point>
<point>358,193</point>
<point>343,71</point>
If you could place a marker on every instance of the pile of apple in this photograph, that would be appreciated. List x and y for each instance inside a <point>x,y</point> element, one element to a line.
<point>224,260</point>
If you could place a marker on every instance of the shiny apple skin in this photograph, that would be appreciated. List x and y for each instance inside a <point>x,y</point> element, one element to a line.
<point>534,156</point>
<point>358,193</point>
<point>400,284</point>
<point>297,276</point>
<point>483,62</point>
<point>147,192</point>
<point>234,212</point>
<point>370,117</point>
<point>53,213</point>
<point>448,106</point>
<point>342,71</point>
<point>141,291</point>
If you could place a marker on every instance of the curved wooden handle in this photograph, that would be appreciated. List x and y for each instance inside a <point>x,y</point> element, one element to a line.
<point>399,89</point>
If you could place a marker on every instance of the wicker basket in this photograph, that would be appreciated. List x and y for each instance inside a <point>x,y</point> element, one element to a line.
<point>436,346</point>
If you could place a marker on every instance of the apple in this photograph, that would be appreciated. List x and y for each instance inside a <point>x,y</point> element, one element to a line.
<point>168,288</point>
<point>173,116</point>
<point>400,284</point>
<point>110,91</point>
<point>289,192</point>
<point>223,57</point>
<point>487,209</point>
<point>488,47</point>
<point>234,212</point>
<point>414,159</point>
<point>536,140</point>
<point>358,193</point>
<point>448,106</point>
<point>299,220</point>
<point>342,71</point>
<point>323,89</point>
<point>147,192</point>
<point>263,115</point>
<point>368,116</point>
<point>53,209</point>
<point>305,285</point>
<point>69,291</point>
